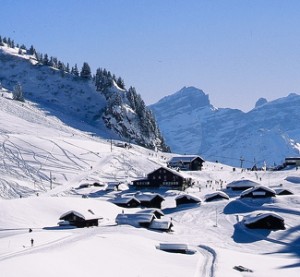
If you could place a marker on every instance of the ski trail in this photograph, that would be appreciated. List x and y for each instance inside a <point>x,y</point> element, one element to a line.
<point>207,262</point>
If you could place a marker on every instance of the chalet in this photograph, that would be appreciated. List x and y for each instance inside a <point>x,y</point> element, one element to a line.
<point>241,184</point>
<point>161,225</point>
<point>258,192</point>
<point>292,161</point>
<point>186,163</point>
<point>126,202</point>
<point>150,200</point>
<point>163,177</point>
<point>157,212</point>
<point>146,220</point>
<point>264,220</point>
<point>79,219</point>
<point>216,196</point>
<point>187,199</point>
<point>283,192</point>
<point>136,220</point>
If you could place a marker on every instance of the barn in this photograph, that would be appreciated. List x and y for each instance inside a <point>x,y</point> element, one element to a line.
<point>165,178</point>
<point>264,220</point>
<point>80,219</point>
<point>189,163</point>
<point>187,199</point>
<point>241,184</point>
<point>218,195</point>
<point>258,192</point>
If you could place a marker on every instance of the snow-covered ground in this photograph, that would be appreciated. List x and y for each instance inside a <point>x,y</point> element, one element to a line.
<point>43,163</point>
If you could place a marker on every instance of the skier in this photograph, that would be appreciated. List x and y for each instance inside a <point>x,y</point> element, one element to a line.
<point>32,241</point>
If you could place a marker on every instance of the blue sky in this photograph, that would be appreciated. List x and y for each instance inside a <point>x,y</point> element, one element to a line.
<point>235,50</point>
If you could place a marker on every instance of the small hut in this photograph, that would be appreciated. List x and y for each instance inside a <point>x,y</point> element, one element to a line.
<point>157,212</point>
<point>186,199</point>
<point>264,220</point>
<point>216,196</point>
<point>80,219</point>
<point>283,192</point>
<point>136,220</point>
<point>126,202</point>
<point>150,200</point>
<point>161,225</point>
<point>258,192</point>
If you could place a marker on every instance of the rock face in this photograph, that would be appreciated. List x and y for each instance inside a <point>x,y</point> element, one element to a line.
<point>267,134</point>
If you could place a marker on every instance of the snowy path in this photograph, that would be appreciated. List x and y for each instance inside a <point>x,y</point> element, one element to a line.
<point>207,262</point>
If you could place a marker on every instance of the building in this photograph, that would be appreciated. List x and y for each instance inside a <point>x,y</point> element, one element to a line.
<point>189,163</point>
<point>292,161</point>
<point>264,220</point>
<point>126,202</point>
<point>150,200</point>
<point>216,196</point>
<point>187,199</point>
<point>258,192</point>
<point>163,177</point>
<point>79,219</point>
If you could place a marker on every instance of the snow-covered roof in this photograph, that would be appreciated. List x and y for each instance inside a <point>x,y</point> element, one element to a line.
<point>168,169</point>
<point>217,193</point>
<point>147,196</point>
<point>84,214</point>
<point>124,200</point>
<point>134,219</point>
<point>188,196</point>
<point>160,224</point>
<point>256,188</point>
<point>242,183</point>
<point>252,218</point>
<point>152,211</point>
<point>189,158</point>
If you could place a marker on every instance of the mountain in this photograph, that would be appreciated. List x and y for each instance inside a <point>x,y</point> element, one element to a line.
<point>268,133</point>
<point>100,105</point>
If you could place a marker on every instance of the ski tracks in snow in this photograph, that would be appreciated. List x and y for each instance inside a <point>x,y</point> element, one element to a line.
<point>207,262</point>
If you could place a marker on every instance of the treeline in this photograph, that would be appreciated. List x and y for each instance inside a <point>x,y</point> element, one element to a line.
<point>102,78</point>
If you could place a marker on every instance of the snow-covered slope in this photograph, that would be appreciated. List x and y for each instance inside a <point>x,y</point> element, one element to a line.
<point>43,162</point>
<point>268,133</point>
<point>77,101</point>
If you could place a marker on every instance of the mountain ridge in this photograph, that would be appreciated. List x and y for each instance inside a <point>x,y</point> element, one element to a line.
<point>268,133</point>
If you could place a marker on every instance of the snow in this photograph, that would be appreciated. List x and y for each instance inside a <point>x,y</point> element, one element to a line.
<point>43,161</point>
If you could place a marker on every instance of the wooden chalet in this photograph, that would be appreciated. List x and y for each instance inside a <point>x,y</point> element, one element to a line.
<point>295,161</point>
<point>283,192</point>
<point>258,192</point>
<point>163,177</point>
<point>189,163</point>
<point>79,219</point>
<point>216,196</point>
<point>136,220</point>
<point>157,212</point>
<point>150,200</point>
<point>126,202</point>
<point>264,220</point>
<point>187,199</point>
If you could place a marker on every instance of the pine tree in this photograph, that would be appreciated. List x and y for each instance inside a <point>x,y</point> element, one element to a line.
<point>1,41</point>
<point>86,71</point>
<point>120,83</point>
<point>18,93</point>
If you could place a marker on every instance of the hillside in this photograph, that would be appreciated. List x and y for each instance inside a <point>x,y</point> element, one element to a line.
<point>98,105</point>
<point>268,133</point>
